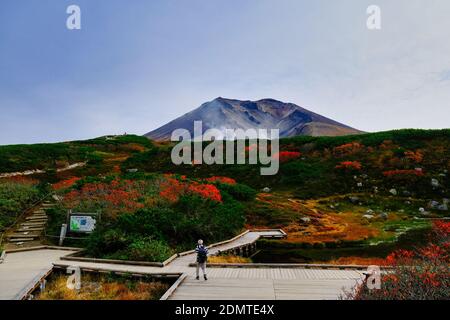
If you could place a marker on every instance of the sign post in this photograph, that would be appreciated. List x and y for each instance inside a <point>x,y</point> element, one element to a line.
<point>62,235</point>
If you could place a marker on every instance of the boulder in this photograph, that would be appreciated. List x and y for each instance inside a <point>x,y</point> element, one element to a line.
<point>433,204</point>
<point>354,199</point>
<point>384,215</point>
<point>435,183</point>
<point>305,220</point>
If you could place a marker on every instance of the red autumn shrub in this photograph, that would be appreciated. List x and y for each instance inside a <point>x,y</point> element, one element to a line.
<point>172,189</point>
<point>422,274</point>
<point>64,184</point>
<point>22,180</point>
<point>117,196</point>
<point>206,191</point>
<point>393,173</point>
<point>352,165</point>
<point>347,149</point>
<point>224,180</point>
<point>285,156</point>
<point>416,156</point>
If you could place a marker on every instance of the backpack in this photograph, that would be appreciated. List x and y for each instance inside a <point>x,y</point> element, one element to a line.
<point>202,254</point>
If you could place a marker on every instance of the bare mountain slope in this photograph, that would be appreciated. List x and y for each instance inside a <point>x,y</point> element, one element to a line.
<point>222,114</point>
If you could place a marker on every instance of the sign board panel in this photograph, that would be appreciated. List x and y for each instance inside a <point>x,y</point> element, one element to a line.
<point>82,222</point>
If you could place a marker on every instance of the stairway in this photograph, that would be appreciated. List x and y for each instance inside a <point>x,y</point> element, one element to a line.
<point>28,232</point>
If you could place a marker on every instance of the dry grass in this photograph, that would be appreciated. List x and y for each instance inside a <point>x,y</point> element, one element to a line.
<point>356,261</point>
<point>324,226</point>
<point>228,259</point>
<point>98,287</point>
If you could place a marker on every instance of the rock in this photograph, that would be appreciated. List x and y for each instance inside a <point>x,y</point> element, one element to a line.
<point>442,207</point>
<point>331,206</point>
<point>421,210</point>
<point>132,170</point>
<point>305,220</point>
<point>266,190</point>
<point>354,199</point>
<point>384,215</point>
<point>369,212</point>
<point>393,192</point>
<point>368,216</point>
<point>435,183</point>
<point>433,204</point>
<point>359,184</point>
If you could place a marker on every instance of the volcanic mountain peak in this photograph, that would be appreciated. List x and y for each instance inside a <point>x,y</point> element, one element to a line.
<point>222,113</point>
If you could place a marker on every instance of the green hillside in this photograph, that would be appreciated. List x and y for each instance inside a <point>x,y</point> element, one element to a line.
<point>336,197</point>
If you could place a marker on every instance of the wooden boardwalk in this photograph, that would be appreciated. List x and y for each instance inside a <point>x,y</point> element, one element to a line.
<point>22,268</point>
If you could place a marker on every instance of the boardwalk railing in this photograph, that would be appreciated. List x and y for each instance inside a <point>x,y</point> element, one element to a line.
<point>2,256</point>
<point>77,255</point>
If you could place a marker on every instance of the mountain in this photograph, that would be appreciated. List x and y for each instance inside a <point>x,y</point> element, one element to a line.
<point>289,118</point>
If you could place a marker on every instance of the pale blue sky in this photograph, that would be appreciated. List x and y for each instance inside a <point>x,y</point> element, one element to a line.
<point>136,65</point>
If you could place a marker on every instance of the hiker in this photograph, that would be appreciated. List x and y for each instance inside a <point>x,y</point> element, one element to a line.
<point>202,257</point>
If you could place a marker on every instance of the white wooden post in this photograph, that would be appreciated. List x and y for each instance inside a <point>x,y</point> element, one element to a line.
<point>62,235</point>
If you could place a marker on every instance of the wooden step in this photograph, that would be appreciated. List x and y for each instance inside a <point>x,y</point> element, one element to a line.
<point>33,217</point>
<point>21,239</point>
<point>37,218</point>
<point>22,235</point>
<point>32,224</point>
<point>30,229</point>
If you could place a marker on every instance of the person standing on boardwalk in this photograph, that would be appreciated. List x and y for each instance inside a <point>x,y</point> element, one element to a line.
<point>202,257</point>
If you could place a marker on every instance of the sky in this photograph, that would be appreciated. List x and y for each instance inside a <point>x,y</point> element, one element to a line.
<point>135,65</point>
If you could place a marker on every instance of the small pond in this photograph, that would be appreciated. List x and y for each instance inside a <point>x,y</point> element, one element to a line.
<point>271,252</point>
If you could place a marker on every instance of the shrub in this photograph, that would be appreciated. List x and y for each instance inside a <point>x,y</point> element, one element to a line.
<point>147,249</point>
<point>423,274</point>
<point>14,198</point>
<point>349,165</point>
<point>239,192</point>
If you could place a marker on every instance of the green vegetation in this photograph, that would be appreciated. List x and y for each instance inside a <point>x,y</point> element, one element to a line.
<point>15,197</point>
<point>330,192</point>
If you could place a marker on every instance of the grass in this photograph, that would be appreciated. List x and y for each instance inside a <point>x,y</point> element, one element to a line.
<point>101,287</point>
<point>228,259</point>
